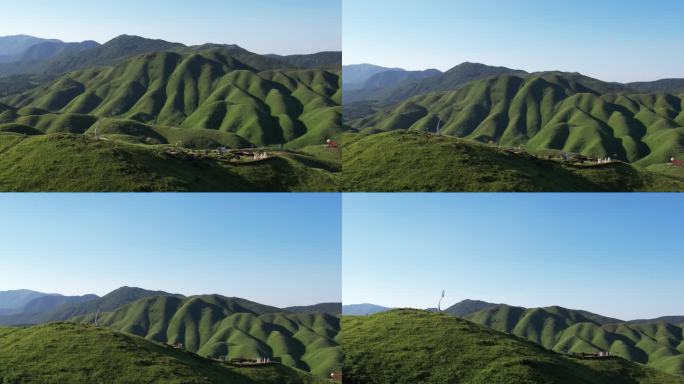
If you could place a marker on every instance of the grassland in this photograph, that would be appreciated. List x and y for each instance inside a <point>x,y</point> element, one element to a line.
<point>78,353</point>
<point>414,161</point>
<point>411,346</point>
<point>216,326</point>
<point>72,162</point>
<point>657,344</point>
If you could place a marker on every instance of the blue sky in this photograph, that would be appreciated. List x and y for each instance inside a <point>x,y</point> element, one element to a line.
<point>618,255</point>
<point>277,249</point>
<point>615,40</point>
<point>263,26</point>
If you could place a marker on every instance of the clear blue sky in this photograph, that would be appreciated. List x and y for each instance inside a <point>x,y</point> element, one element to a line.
<point>617,255</point>
<point>262,26</point>
<point>616,40</point>
<point>277,249</point>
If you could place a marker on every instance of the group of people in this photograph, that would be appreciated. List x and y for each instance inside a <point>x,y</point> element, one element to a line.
<point>263,360</point>
<point>603,160</point>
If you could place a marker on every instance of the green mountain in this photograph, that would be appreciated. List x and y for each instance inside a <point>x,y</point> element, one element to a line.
<point>78,353</point>
<point>657,344</point>
<point>552,112</point>
<point>410,160</point>
<point>210,89</point>
<point>412,346</point>
<point>364,309</point>
<point>675,86</point>
<point>213,325</point>
<point>377,86</point>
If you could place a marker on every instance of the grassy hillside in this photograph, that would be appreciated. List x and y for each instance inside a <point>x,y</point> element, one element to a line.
<point>213,325</point>
<point>554,111</point>
<point>411,346</point>
<point>657,344</point>
<point>72,162</point>
<point>78,353</point>
<point>208,89</point>
<point>414,161</point>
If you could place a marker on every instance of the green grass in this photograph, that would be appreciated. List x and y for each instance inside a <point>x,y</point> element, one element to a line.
<point>72,162</point>
<point>660,345</point>
<point>78,353</point>
<point>213,325</point>
<point>414,161</point>
<point>547,112</point>
<point>412,346</point>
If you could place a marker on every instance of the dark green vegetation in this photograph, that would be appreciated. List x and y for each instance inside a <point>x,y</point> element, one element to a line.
<point>213,325</point>
<point>151,93</point>
<point>414,161</point>
<point>656,343</point>
<point>78,353</point>
<point>411,346</point>
<point>334,309</point>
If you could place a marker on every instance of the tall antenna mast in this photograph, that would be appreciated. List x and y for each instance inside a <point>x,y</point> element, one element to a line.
<point>97,135</point>
<point>439,304</point>
<point>438,124</point>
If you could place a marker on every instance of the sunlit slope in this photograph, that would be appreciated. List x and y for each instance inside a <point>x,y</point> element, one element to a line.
<point>206,89</point>
<point>77,353</point>
<point>218,326</point>
<point>414,161</point>
<point>548,111</point>
<point>411,346</point>
<point>660,345</point>
<point>69,162</point>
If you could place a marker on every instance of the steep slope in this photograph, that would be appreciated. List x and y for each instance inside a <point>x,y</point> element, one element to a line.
<point>414,161</point>
<point>553,112</point>
<point>213,325</point>
<point>77,353</point>
<point>411,346</point>
<point>208,89</point>
<point>660,345</point>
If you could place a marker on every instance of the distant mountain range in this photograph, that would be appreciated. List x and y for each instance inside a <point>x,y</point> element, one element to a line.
<point>656,342</point>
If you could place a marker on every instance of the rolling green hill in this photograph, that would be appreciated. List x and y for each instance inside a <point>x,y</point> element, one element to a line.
<point>77,353</point>
<point>79,163</point>
<point>657,344</point>
<point>207,89</point>
<point>547,112</point>
<point>412,346</point>
<point>413,161</point>
<point>213,325</point>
